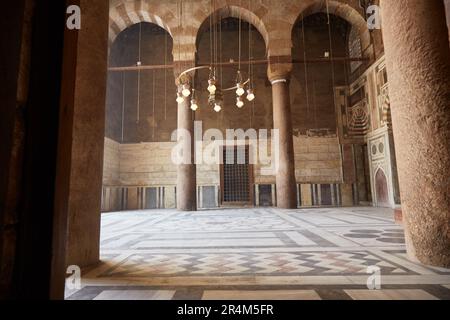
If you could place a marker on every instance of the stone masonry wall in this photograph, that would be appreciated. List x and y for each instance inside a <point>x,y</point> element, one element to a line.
<point>111,163</point>
<point>317,160</point>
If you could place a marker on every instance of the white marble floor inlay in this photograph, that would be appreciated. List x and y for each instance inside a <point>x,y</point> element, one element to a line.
<point>261,295</point>
<point>260,253</point>
<point>415,294</point>
<point>135,295</point>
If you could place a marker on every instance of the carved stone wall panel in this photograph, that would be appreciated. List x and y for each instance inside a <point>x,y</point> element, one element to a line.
<point>382,163</point>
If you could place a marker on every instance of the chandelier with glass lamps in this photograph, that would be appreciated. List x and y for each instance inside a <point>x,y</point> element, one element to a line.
<point>213,87</point>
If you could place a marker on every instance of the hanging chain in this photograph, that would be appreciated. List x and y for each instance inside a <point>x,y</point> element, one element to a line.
<point>333,76</point>
<point>221,70</point>
<point>179,3</point>
<point>220,50</point>
<point>240,34</point>
<point>140,36</point>
<point>165,75</point>
<point>250,53</point>
<point>250,58</point>
<point>215,33</point>
<point>211,35</point>
<point>306,66</point>
<point>138,106</point>
<point>153,107</point>
<point>123,102</point>
<point>138,96</point>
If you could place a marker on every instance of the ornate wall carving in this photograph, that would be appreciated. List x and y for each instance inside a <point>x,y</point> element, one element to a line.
<point>364,117</point>
<point>380,140</point>
<point>353,112</point>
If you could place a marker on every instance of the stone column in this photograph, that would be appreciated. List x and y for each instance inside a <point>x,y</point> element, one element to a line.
<point>186,171</point>
<point>418,65</point>
<point>279,75</point>
<point>82,132</point>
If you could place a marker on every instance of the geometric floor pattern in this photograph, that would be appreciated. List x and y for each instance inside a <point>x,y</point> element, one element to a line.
<point>260,253</point>
<point>284,263</point>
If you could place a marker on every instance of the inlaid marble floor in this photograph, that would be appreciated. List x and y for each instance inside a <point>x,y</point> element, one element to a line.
<point>260,253</point>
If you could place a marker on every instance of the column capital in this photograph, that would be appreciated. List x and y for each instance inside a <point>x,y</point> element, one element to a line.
<point>279,69</point>
<point>178,68</point>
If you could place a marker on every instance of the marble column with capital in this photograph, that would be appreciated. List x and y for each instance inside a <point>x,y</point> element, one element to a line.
<point>286,190</point>
<point>186,192</point>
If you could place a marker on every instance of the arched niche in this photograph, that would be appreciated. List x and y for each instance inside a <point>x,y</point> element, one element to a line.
<point>381,189</point>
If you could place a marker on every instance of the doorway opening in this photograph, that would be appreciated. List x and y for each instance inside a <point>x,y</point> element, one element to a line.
<point>236,176</point>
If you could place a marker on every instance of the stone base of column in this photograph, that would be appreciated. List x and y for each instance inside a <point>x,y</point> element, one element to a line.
<point>398,216</point>
<point>286,194</point>
<point>186,188</point>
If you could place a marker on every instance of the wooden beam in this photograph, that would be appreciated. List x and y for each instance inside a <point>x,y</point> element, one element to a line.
<point>236,63</point>
<point>136,68</point>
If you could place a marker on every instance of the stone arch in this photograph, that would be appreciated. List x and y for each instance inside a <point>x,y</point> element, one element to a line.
<point>230,11</point>
<point>252,12</point>
<point>343,10</point>
<point>123,14</point>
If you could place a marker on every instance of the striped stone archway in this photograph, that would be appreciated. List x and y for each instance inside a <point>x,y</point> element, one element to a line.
<point>347,10</point>
<point>124,14</point>
<point>255,13</point>
<point>228,11</point>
